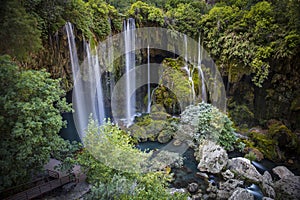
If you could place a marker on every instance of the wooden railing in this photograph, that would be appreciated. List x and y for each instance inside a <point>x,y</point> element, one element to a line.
<point>43,188</point>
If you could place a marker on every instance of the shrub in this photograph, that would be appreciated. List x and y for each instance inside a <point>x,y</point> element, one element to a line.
<point>209,123</point>
<point>118,170</point>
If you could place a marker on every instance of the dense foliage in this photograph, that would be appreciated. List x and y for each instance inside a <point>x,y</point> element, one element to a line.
<point>30,107</point>
<point>19,36</point>
<point>28,25</point>
<point>117,170</point>
<point>256,45</point>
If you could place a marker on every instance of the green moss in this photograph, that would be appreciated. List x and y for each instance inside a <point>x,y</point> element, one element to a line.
<point>143,121</point>
<point>148,128</point>
<point>138,133</point>
<point>265,145</point>
<point>164,136</point>
<point>154,128</point>
<point>286,139</point>
<point>159,115</point>
<point>295,106</point>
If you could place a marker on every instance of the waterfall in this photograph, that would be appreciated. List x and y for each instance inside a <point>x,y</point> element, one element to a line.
<point>203,88</point>
<point>148,77</point>
<point>188,71</point>
<point>129,38</point>
<point>96,84</point>
<point>111,61</point>
<point>87,91</point>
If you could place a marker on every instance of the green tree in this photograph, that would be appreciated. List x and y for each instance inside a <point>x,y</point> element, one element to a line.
<point>20,35</point>
<point>185,17</point>
<point>116,169</point>
<point>146,15</point>
<point>30,107</point>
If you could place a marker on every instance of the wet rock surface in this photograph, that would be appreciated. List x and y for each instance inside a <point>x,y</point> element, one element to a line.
<point>282,172</point>
<point>288,187</point>
<point>193,187</point>
<point>244,169</point>
<point>241,194</point>
<point>213,158</point>
<point>227,174</point>
<point>267,185</point>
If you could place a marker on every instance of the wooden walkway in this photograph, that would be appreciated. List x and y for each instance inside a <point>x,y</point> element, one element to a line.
<point>55,179</point>
<point>42,189</point>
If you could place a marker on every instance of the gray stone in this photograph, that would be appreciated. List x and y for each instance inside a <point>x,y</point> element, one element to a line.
<point>213,158</point>
<point>282,171</point>
<point>241,194</point>
<point>226,188</point>
<point>267,185</point>
<point>223,194</point>
<point>267,198</point>
<point>231,184</point>
<point>227,174</point>
<point>193,187</point>
<point>243,168</point>
<point>202,175</point>
<point>212,188</point>
<point>288,188</point>
<point>197,196</point>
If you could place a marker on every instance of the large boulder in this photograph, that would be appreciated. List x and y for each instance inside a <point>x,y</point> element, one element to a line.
<point>267,185</point>
<point>288,187</point>
<point>227,175</point>
<point>241,194</point>
<point>164,136</point>
<point>226,189</point>
<point>138,133</point>
<point>213,158</point>
<point>243,168</point>
<point>282,172</point>
<point>154,128</point>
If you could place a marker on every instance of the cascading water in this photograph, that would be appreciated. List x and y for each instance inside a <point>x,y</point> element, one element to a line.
<point>188,71</point>
<point>87,91</point>
<point>110,59</point>
<point>95,83</point>
<point>203,88</point>
<point>129,38</point>
<point>148,77</point>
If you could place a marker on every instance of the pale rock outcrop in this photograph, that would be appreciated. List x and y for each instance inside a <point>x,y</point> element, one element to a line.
<point>267,185</point>
<point>243,168</point>
<point>288,187</point>
<point>241,194</point>
<point>213,158</point>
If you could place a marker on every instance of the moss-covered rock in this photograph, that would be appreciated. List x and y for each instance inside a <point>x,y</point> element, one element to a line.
<point>164,136</point>
<point>159,115</point>
<point>287,140</point>
<point>265,145</point>
<point>277,143</point>
<point>138,133</point>
<point>154,128</point>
